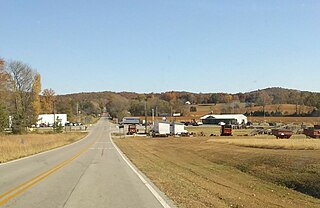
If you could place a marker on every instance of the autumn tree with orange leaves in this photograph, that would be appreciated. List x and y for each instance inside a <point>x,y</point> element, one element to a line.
<point>47,102</point>
<point>36,90</point>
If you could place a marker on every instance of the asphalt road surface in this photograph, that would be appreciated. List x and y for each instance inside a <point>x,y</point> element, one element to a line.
<point>89,173</point>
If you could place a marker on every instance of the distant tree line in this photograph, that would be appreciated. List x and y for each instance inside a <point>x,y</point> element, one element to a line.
<point>21,98</point>
<point>133,104</point>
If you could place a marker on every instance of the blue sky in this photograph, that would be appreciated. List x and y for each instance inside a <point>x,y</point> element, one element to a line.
<point>164,45</point>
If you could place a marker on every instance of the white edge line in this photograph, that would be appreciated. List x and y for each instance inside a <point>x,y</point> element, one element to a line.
<point>153,191</point>
<point>45,152</point>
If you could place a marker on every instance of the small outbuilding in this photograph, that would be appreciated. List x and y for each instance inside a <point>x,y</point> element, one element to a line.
<point>235,119</point>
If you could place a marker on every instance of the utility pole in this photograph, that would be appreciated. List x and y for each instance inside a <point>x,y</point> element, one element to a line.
<point>54,117</point>
<point>145,116</point>
<point>78,113</point>
<point>152,116</point>
<point>172,121</point>
<point>264,112</point>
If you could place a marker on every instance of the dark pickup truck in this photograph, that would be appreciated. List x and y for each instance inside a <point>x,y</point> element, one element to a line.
<point>282,133</point>
<point>313,132</point>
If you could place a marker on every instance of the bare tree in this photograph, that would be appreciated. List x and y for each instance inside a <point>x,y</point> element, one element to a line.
<point>22,78</point>
<point>264,99</point>
<point>118,107</point>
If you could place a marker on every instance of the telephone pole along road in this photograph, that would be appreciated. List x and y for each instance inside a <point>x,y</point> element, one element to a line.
<point>89,173</point>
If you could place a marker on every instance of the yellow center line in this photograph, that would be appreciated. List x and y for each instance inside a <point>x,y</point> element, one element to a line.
<point>26,185</point>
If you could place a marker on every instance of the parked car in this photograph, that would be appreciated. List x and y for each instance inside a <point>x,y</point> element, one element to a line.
<point>43,125</point>
<point>187,123</point>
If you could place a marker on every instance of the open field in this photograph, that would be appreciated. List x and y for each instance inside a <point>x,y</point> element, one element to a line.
<point>199,172</point>
<point>272,143</point>
<point>207,130</point>
<point>296,142</point>
<point>241,108</point>
<point>17,146</point>
<point>296,120</point>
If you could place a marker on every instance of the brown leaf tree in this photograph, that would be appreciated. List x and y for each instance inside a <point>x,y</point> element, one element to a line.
<point>47,102</point>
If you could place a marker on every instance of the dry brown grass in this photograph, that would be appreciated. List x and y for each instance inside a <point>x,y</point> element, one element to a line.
<point>272,143</point>
<point>297,120</point>
<point>296,142</point>
<point>17,146</point>
<point>215,130</point>
<point>196,173</point>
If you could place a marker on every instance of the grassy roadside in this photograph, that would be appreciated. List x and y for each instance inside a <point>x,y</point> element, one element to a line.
<point>200,173</point>
<point>18,146</point>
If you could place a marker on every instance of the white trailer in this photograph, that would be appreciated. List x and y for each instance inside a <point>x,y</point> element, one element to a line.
<point>177,129</point>
<point>49,119</point>
<point>161,129</point>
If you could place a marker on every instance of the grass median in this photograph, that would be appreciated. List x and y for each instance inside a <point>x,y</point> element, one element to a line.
<point>18,146</point>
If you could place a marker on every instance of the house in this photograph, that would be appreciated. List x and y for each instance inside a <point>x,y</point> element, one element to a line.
<point>227,119</point>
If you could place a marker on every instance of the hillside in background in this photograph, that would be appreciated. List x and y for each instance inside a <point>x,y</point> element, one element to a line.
<point>268,102</point>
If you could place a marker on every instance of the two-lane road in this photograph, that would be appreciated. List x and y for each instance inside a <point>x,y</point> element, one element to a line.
<point>89,173</point>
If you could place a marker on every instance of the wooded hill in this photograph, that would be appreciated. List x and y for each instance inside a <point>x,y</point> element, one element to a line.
<point>133,104</point>
<point>22,98</point>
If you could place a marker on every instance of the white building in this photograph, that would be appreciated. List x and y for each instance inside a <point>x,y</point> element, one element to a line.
<point>49,119</point>
<point>227,118</point>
